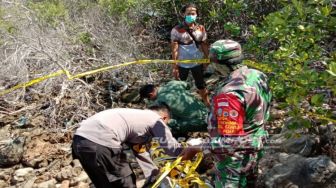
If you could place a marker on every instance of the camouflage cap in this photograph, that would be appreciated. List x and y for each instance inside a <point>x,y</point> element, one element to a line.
<point>225,50</point>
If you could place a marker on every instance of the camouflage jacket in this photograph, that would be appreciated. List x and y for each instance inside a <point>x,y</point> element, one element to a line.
<point>250,88</point>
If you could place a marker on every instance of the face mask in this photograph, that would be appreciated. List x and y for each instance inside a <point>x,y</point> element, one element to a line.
<point>190,18</point>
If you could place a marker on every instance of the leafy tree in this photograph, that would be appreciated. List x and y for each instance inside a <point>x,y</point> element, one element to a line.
<point>294,43</point>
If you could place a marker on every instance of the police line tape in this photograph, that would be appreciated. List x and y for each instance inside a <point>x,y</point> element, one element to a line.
<point>71,77</point>
<point>182,173</point>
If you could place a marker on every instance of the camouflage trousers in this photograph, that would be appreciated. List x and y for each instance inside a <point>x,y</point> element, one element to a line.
<point>237,159</point>
<point>237,170</point>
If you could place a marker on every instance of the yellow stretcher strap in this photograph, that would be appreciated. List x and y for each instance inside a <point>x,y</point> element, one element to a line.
<point>167,169</point>
<point>71,77</point>
<point>187,167</point>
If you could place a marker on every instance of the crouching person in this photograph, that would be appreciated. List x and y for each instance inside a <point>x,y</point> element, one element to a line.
<point>97,143</point>
<point>188,113</point>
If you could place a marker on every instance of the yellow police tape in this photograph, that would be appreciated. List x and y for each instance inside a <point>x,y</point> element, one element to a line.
<point>32,82</point>
<point>177,168</point>
<point>70,77</point>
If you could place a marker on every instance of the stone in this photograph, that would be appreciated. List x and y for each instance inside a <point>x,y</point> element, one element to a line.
<point>303,145</point>
<point>295,141</point>
<point>42,163</point>
<point>3,184</point>
<point>29,183</point>
<point>83,177</point>
<point>4,132</point>
<point>83,185</point>
<point>6,173</point>
<point>321,168</point>
<point>277,114</point>
<point>77,167</point>
<point>65,184</point>
<point>34,162</point>
<point>47,184</point>
<point>64,174</point>
<point>23,172</point>
<point>292,170</point>
<point>12,152</point>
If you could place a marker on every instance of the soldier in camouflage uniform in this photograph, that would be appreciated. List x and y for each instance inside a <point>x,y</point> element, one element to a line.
<point>240,107</point>
<point>188,113</point>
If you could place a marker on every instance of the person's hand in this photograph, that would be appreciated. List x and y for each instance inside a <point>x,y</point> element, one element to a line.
<point>176,72</point>
<point>189,152</point>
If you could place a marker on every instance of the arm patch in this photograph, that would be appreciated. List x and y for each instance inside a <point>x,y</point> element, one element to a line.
<point>230,115</point>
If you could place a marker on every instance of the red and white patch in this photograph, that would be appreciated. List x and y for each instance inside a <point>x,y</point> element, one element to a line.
<point>230,114</point>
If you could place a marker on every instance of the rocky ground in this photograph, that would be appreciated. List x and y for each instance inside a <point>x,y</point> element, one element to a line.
<point>34,156</point>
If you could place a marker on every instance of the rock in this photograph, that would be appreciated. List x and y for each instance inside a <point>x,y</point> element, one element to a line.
<point>328,140</point>
<point>65,184</point>
<point>17,179</point>
<point>42,163</point>
<point>34,162</point>
<point>77,167</point>
<point>296,171</point>
<point>65,174</point>
<point>302,145</point>
<point>23,172</point>
<point>83,177</point>
<point>29,183</point>
<point>3,184</point>
<point>12,152</point>
<point>83,185</point>
<point>4,132</point>
<point>76,163</point>
<point>293,140</point>
<point>47,184</point>
<point>40,144</point>
<point>321,168</point>
<point>5,174</point>
<point>277,114</point>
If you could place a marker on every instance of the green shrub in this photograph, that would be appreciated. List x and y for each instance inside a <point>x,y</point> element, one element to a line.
<point>51,12</point>
<point>291,41</point>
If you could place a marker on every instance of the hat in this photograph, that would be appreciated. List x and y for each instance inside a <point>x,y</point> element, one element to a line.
<point>225,51</point>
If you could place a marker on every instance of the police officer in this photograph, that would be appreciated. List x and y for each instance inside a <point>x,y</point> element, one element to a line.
<point>98,143</point>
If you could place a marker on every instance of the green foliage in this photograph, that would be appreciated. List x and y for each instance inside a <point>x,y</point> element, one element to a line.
<point>290,41</point>
<point>51,12</point>
<point>6,25</point>
<point>332,68</point>
<point>117,7</point>
<point>234,29</point>
<point>85,37</point>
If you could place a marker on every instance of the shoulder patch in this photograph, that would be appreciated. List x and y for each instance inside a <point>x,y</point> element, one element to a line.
<point>230,114</point>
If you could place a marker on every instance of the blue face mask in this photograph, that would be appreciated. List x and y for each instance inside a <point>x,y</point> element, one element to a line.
<point>190,18</point>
